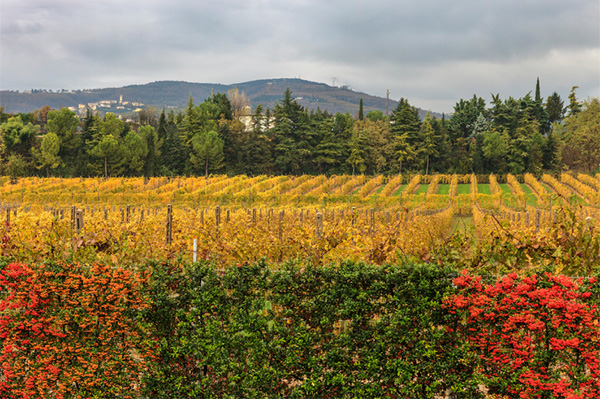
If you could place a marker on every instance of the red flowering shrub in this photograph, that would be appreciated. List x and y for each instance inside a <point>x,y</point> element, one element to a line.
<point>69,331</point>
<point>532,336</point>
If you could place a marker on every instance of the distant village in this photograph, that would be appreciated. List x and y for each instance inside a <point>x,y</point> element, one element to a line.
<point>119,107</point>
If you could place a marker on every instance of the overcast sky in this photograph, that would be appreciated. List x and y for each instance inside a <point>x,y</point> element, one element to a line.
<point>432,52</point>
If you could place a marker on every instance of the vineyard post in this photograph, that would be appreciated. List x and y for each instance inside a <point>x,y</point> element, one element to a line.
<point>253,215</point>
<point>319,225</point>
<point>7,215</point>
<point>78,221</point>
<point>195,253</point>
<point>217,215</point>
<point>372,223</point>
<point>142,215</point>
<point>537,220</point>
<point>280,227</point>
<point>202,216</point>
<point>169,222</point>
<point>72,218</point>
<point>128,213</point>
<point>228,217</point>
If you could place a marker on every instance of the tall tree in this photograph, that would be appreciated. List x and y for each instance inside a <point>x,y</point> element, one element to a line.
<point>361,115</point>
<point>495,149</point>
<point>207,152</point>
<point>105,146</point>
<point>405,128</point>
<point>46,157</point>
<point>555,108</point>
<point>429,140</point>
<point>135,152</point>
<point>153,145</point>
<point>292,136</point>
<point>581,138</point>
<point>18,137</point>
<point>574,105</point>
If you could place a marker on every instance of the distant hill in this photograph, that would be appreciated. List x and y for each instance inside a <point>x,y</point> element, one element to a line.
<point>175,94</point>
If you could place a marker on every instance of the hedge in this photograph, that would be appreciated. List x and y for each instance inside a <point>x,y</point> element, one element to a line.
<point>297,331</point>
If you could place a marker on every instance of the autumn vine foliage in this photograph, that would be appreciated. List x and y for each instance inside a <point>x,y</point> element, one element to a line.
<point>70,331</point>
<point>534,336</point>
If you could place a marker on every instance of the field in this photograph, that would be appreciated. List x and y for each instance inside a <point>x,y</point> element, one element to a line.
<point>308,286</point>
<point>324,219</point>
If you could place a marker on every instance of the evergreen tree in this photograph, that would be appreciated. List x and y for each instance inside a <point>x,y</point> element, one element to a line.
<point>549,152</point>
<point>292,136</point>
<point>361,115</point>
<point>153,144</point>
<point>161,130</point>
<point>405,127</point>
<point>555,108</point>
<point>428,147</point>
<point>495,149</point>
<point>207,152</point>
<point>326,150</point>
<point>574,105</point>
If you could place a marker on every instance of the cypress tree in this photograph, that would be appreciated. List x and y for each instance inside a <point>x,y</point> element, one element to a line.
<point>361,115</point>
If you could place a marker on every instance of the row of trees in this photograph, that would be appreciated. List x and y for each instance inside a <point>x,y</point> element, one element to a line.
<point>512,135</point>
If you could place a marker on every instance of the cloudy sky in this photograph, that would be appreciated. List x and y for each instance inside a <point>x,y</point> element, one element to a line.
<point>432,52</point>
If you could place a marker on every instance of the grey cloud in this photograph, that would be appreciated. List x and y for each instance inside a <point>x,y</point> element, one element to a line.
<point>434,50</point>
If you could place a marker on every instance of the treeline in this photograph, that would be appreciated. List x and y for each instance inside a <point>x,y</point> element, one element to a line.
<point>516,136</point>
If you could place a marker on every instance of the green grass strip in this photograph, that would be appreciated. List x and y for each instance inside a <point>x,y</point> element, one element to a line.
<point>464,189</point>
<point>399,190</point>
<point>531,197</point>
<point>422,189</point>
<point>443,189</point>
<point>505,188</point>
<point>483,188</point>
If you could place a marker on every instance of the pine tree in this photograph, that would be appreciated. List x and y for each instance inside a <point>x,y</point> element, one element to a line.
<point>555,108</point>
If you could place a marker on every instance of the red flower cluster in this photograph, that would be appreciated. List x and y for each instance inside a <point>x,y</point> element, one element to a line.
<point>531,334</point>
<point>66,331</point>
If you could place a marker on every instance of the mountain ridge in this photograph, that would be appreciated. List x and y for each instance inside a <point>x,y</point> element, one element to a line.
<point>175,94</point>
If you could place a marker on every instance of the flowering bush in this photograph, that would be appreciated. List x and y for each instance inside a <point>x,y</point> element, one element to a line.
<point>533,336</point>
<point>69,330</point>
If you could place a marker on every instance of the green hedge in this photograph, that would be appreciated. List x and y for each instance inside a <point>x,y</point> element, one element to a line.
<point>347,330</point>
<point>299,331</point>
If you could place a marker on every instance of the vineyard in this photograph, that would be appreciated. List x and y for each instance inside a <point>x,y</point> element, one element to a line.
<point>323,219</point>
<point>308,286</point>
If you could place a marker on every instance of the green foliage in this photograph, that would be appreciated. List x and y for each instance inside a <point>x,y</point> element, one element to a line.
<point>555,108</point>
<point>581,138</point>
<point>47,156</point>
<point>303,331</point>
<point>516,135</point>
<point>207,152</point>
